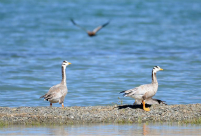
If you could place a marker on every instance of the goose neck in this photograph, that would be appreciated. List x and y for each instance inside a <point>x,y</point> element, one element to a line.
<point>63,71</point>
<point>154,79</point>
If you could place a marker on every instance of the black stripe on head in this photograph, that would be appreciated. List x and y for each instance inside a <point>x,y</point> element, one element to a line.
<point>156,67</point>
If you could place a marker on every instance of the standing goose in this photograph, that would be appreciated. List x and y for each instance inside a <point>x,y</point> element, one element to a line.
<point>146,91</point>
<point>58,92</point>
<point>90,33</point>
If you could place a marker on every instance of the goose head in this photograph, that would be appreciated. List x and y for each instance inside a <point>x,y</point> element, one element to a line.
<point>156,69</point>
<point>65,63</point>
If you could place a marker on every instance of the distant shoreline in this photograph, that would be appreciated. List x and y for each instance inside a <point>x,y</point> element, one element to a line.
<point>190,113</point>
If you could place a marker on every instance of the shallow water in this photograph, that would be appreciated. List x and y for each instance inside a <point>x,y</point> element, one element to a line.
<point>105,129</point>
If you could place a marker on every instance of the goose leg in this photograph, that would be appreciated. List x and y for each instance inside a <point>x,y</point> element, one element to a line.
<point>62,105</point>
<point>50,104</point>
<point>144,108</point>
<point>134,103</point>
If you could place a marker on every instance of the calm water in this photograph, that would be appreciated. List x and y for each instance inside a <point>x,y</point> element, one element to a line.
<point>105,129</point>
<point>36,36</point>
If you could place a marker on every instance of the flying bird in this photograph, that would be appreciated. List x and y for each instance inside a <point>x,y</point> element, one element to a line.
<point>90,33</point>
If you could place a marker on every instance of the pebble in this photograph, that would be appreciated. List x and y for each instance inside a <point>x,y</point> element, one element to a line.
<point>99,114</point>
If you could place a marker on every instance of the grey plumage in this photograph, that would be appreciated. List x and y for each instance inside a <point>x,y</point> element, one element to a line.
<point>58,92</point>
<point>150,101</point>
<point>144,92</point>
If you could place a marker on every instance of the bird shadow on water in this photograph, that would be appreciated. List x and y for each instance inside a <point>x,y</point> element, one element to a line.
<point>138,106</point>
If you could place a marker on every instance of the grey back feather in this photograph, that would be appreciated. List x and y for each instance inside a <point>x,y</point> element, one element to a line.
<point>54,91</point>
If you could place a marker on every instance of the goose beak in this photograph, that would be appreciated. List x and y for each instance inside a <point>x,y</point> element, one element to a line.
<point>161,69</point>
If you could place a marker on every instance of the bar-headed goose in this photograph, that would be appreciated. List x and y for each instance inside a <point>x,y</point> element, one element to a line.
<point>146,91</point>
<point>58,92</point>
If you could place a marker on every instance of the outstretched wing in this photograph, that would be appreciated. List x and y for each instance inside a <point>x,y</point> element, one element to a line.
<point>99,27</point>
<point>78,25</point>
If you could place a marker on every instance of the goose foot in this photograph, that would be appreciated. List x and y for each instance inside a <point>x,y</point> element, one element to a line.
<point>144,108</point>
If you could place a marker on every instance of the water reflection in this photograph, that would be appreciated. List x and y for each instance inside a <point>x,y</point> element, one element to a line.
<point>104,129</point>
<point>145,130</point>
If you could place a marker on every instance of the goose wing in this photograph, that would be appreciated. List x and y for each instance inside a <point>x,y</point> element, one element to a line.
<point>99,27</point>
<point>141,90</point>
<point>78,25</point>
<point>157,101</point>
<point>151,101</point>
<point>55,92</point>
<point>129,92</point>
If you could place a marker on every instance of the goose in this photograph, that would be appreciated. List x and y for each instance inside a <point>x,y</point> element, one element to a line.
<point>150,101</point>
<point>58,92</point>
<point>143,92</point>
<point>91,33</point>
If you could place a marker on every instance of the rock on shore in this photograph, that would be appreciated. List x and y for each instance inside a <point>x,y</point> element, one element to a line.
<point>100,114</point>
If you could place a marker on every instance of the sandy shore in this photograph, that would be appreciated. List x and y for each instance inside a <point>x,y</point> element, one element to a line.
<point>190,113</point>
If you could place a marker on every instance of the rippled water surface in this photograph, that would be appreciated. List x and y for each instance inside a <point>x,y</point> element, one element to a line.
<point>36,36</point>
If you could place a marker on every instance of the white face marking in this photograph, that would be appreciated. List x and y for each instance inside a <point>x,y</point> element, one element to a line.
<point>65,63</point>
<point>156,69</point>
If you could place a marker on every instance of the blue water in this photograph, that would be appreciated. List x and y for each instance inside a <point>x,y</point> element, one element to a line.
<point>36,36</point>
